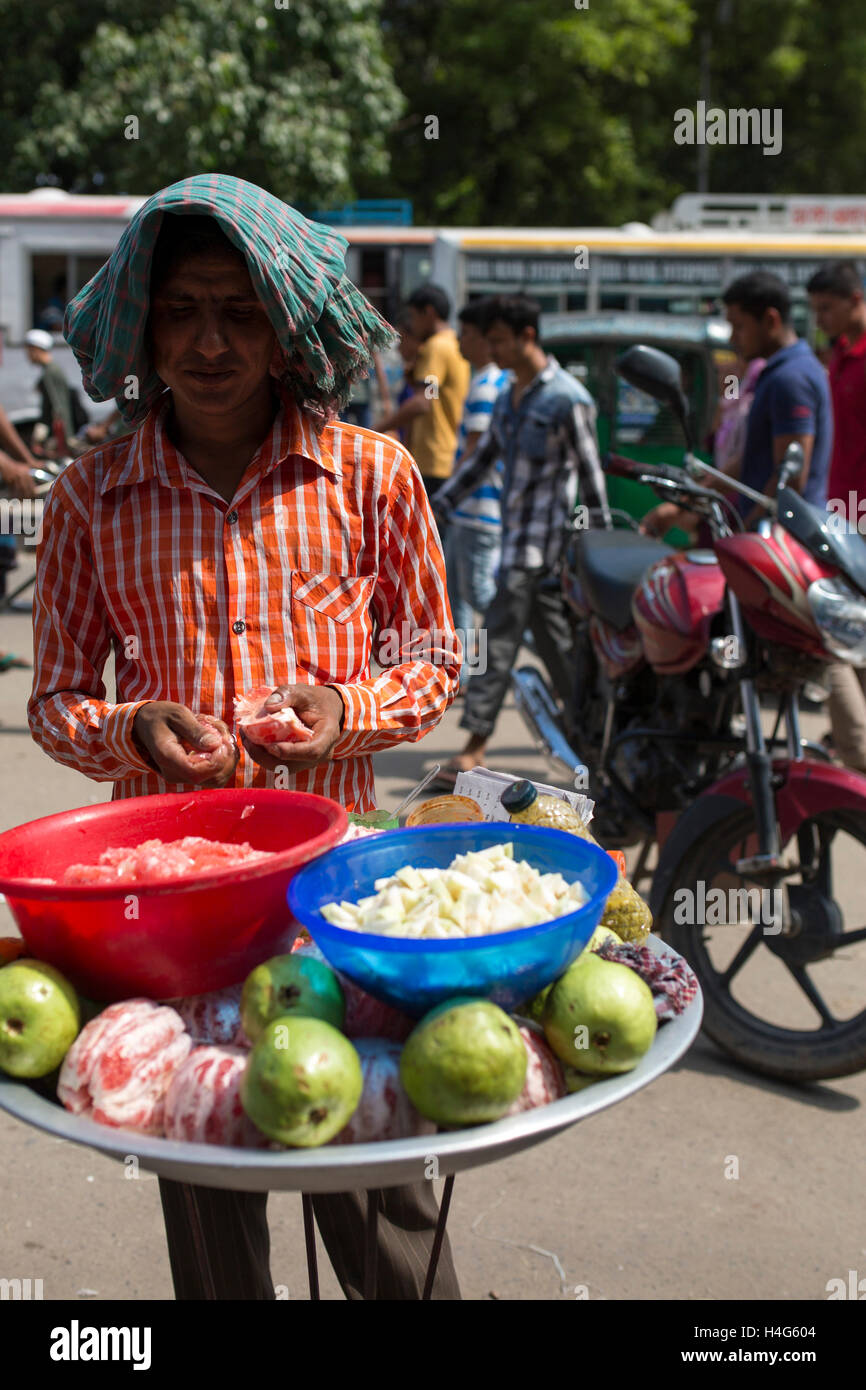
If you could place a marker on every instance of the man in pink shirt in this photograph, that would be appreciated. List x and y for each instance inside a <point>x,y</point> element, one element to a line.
<point>836,296</point>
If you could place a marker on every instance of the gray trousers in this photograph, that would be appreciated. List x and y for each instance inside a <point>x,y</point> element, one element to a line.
<point>219,1245</point>
<point>521,601</point>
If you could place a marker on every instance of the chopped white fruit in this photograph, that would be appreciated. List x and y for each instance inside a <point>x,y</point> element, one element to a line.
<point>479,893</point>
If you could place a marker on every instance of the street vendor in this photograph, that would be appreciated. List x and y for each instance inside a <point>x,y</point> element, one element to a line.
<point>240,537</point>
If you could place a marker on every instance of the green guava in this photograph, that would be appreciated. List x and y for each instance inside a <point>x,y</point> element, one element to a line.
<point>39,1018</point>
<point>293,984</point>
<point>302,1082</point>
<point>599,1017</point>
<point>464,1064</point>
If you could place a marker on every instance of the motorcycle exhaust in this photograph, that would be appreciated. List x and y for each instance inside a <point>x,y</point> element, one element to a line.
<point>541,716</point>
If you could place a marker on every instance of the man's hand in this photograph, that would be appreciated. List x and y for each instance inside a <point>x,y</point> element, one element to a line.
<point>183,749</point>
<point>317,706</point>
<point>666,515</point>
<point>17,476</point>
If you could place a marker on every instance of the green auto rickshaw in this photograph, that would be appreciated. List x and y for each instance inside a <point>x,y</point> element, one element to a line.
<point>629,422</point>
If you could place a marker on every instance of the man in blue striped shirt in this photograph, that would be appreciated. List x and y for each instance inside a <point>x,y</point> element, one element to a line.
<point>473,536</point>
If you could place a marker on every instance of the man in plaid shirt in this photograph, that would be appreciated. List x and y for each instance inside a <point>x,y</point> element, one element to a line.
<point>544,429</point>
<point>240,537</point>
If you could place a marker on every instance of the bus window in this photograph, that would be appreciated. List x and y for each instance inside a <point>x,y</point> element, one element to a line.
<point>49,290</point>
<point>55,278</point>
<point>416,269</point>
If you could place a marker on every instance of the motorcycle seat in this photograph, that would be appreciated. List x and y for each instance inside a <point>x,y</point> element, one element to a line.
<point>611,564</point>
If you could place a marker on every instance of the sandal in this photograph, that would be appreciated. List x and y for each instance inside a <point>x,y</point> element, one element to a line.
<point>9,659</point>
<point>446,780</point>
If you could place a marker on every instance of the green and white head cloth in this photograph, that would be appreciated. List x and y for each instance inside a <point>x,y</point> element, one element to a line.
<point>327,329</point>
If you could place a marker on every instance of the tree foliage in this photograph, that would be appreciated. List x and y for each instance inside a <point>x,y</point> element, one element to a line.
<point>479,111</point>
<point>299,98</point>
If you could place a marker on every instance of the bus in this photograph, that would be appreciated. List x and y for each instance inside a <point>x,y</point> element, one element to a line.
<point>633,269</point>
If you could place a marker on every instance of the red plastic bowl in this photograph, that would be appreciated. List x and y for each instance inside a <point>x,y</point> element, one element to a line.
<point>190,934</point>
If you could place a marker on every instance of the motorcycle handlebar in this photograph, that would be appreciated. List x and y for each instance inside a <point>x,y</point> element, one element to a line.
<point>623,467</point>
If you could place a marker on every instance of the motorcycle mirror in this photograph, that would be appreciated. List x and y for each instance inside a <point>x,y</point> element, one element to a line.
<point>791,466</point>
<point>659,375</point>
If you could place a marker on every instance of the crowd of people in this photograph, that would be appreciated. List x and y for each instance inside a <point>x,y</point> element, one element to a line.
<point>506,444</point>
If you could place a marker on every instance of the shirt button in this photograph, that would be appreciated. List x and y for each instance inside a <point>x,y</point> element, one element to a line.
<point>239,626</point>
<point>232,518</point>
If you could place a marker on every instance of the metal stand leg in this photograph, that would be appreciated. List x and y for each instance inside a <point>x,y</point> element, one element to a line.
<point>371,1252</point>
<point>310,1238</point>
<point>188,1195</point>
<point>7,600</point>
<point>439,1237</point>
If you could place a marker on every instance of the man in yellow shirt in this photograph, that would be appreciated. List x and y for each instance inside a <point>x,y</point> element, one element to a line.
<point>440,380</point>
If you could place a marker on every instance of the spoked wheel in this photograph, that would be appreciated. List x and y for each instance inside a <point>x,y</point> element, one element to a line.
<point>784,982</point>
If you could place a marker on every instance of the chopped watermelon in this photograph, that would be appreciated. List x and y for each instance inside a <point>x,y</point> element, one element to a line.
<point>268,726</point>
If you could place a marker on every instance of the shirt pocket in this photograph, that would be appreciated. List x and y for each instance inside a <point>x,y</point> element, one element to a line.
<point>533,436</point>
<point>332,624</point>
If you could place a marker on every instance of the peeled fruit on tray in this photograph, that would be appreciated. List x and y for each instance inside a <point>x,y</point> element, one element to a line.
<point>366,1017</point>
<point>600,1017</point>
<point>464,1063</point>
<point>11,947</point>
<point>545,1081</point>
<point>384,1111</point>
<point>260,725</point>
<point>302,1082</point>
<point>203,1100</point>
<point>39,1018</point>
<point>119,1067</point>
<point>292,984</point>
<point>626,913</point>
<point>213,1018</point>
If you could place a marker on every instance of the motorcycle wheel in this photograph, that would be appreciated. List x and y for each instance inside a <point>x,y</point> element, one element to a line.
<point>837,1047</point>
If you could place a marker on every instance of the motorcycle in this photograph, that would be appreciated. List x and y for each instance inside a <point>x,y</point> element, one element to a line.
<point>675,652</point>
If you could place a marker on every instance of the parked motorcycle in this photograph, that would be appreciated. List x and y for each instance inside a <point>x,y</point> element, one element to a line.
<point>676,650</point>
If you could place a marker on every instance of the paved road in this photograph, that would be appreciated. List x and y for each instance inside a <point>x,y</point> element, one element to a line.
<point>640,1202</point>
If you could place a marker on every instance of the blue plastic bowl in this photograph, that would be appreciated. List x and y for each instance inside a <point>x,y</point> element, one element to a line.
<point>413,975</point>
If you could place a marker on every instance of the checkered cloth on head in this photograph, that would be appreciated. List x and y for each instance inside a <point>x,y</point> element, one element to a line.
<point>325,326</point>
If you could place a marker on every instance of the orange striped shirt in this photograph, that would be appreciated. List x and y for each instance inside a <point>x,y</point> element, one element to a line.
<point>327,555</point>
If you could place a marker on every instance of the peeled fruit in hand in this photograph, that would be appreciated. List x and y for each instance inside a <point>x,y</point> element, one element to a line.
<point>600,1017</point>
<point>261,725</point>
<point>302,1082</point>
<point>385,1111</point>
<point>292,984</point>
<point>544,1073</point>
<point>464,1063</point>
<point>203,1100</point>
<point>119,1067</point>
<point>39,1018</point>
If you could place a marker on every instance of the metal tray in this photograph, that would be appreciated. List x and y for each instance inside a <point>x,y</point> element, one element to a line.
<point>343,1168</point>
